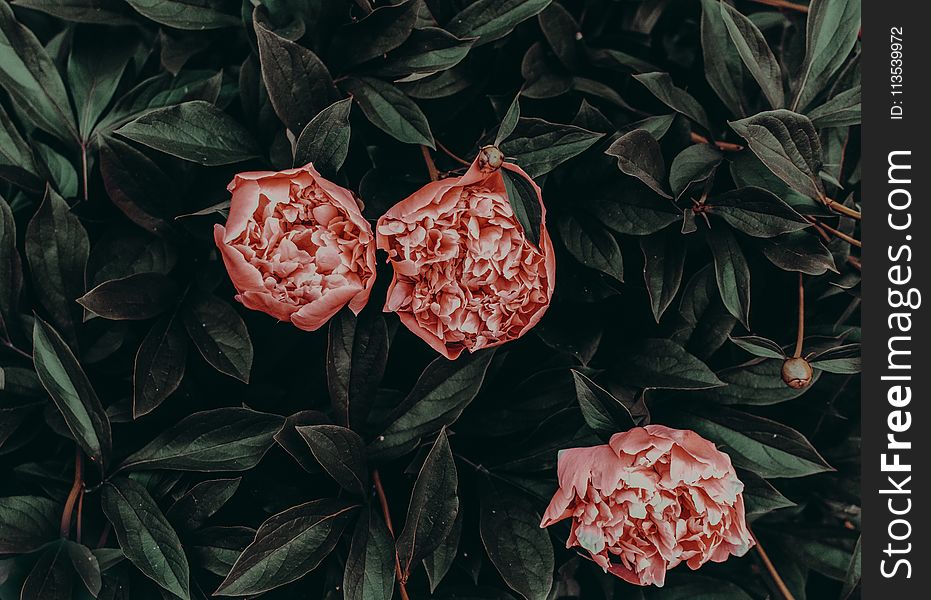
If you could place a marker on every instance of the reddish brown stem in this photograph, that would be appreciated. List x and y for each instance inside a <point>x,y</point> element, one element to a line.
<point>855,262</point>
<point>383,501</point>
<point>722,146</point>
<point>771,569</point>
<point>825,229</point>
<point>431,167</point>
<point>840,208</point>
<point>800,336</point>
<point>74,494</point>
<point>453,155</point>
<point>783,4</point>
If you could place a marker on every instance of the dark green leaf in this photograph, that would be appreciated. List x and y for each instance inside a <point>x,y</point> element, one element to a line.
<point>490,20</point>
<point>756,212</point>
<point>159,365</point>
<point>389,109</point>
<point>369,573</point>
<point>95,67</point>
<point>198,504</point>
<point>85,564</point>
<point>11,269</point>
<point>28,74</point>
<point>440,395</point>
<point>602,412</point>
<point>341,453</point>
<point>52,577</point>
<point>788,145</point>
<point>800,251</point>
<point>843,110</point>
<point>433,507</point>
<point>223,439</point>
<point>524,198</point>
<point>196,131</point>
<point>638,155</point>
<point>56,248</point>
<point>27,523</point>
<point>520,550</point>
<point>663,265</point>
<point>831,33</point>
<point>694,164</point>
<point>509,122</point>
<point>844,360</point>
<point>219,334</point>
<point>633,210</point>
<point>538,146</point>
<point>437,565</point>
<point>106,12</point>
<point>764,447</point>
<point>561,32</point>
<point>697,587</point>
<point>755,53</point>
<point>195,15</point>
<point>760,497</point>
<point>66,383</point>
<point>757,382</point>
<point>298,83</point>
<point>380,32</point>
<point>724,69</point>
<point>145,536</point>
<point>661,86</point>
<point>760,346</point>
<point>611,58</point>
<point>663,364</point>
<point>357,353</point>
<point>427,51</point>
<point>17,163</point>
<point>731,272</point>
<point>656,126</point>
<point>216,549</point>
<point>325,140</point>
<point>287,546</point>
<point>854,571</point>
<point>591,245</point>
<point>134,298</point>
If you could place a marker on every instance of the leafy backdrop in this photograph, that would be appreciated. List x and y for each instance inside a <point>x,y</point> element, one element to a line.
<point>699,160</point>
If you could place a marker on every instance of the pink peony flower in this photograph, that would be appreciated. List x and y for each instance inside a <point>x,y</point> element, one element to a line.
<point>296,246</point>
<point>465,275</point>
<point>649,499</point>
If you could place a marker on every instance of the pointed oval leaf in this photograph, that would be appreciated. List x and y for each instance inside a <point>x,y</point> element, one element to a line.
<point>694,164</point>
<point>134,298</point>
<point>731,272</point>
<point>755,53</point>
<point>663,264</point>
<point>341,453</point>
<point>325,140</point>
<point>194,15</point>
<point>524,198</point>
<point>759,346</point>
<point>219,334</point>
<point>830,34</point>
<point>661,86</point>
<point>663,364</point>
<point>27,523</point>
<point>490,20</point>
<point>389,109</point>
<point>592,245</point>
<point>756,212</point>
<point>369,573</point>
<point>190,511</point>
<point>539,146</point>
<point>357,353</point>
<point>638,155</point>
<point>159,365</point>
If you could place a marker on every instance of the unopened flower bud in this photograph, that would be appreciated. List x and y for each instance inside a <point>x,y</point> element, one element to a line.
<point>490,159</point>
<point>796,372</point>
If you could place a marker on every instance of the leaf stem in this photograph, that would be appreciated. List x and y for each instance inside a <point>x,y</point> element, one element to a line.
<point>840,208</point>
<point>697,138</point>
<point>383,501</point>
<point>854,262</point>
<point>76,488</point>
<point>783,4</point>
<point>771,569</point>
<point>800,336</point>
<point>822,227</point>
<point>84,169</point>
<point>431,167</point>
<point>452,155</point>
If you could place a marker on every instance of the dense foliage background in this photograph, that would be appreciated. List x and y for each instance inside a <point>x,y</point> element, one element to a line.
<point>148,429</point>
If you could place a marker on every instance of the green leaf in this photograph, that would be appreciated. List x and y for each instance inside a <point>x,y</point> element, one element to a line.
<point>788,145</point>
<point>490,20</point>
<point>843,110</point>
<point>159,365</point>
<point>539,146</point>
<point>663,265</point>
<point>656,126</point>
<point>223,439</point>
<point>433,507</point>
<point>764,447</point>
<point>389,109</point>
<point>731,272</point>
<point>760,346</point>
<point>287,546</point>
<point>341,453</point>
<point>724,68</point>
<point>755,53</point>
<point>438,563</point>
<point>800,251</point>
<point>604,413</point>
<point>27,523</point>
<point>638,155</point>
<point>215,549</point>
<point>56,248</point>
<point>196,131</point>
<point>831,33</point>
<point>378,33</point>
<point>440,395</point>
<point>661,86</point>
<point>633,210</point>
<point>11,269</point>
<point>704,323</point>
<point>219,333</point>
<point>134,298</point>
<point>52,576</point>
<point>202,501</point>
<point>28,74</point>
<point>105,12</point>
<point>95,67</point>
<point>369,573</point>
<point>195,15</point>
<point>524,199</point>
<point>697,587</point>
<point>17,163</point>
<point>357,353</point>
<point>844,360</point>
<point>854,571</point>
<point>560,30</point>
<point>325,140</point>
<point>298,83</point>
<point>760,497</point>
<point>756,212</point>
<point>509,122</point>
<point>615,59</point>
<point>591,245</point>
<point>520,550</point>
<point>663,364</point>
<point>694,164</point>
<point>758,383</point>
<point>71,391</point>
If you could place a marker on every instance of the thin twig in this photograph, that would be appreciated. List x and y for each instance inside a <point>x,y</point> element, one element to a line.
<point>431,167</point>
<point>102,541</point>
<point>783,4</point>
<point>777,580</point>
<point>383,501</point>
<point>722,146</point>
<point>854,262</point>
<point>76,488</point>
<point>824,229</point>
<point>78,525</point>
<point>9,345</point>
<point>840,208</point>
<point>800,336</point>
<point>453,155</point>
